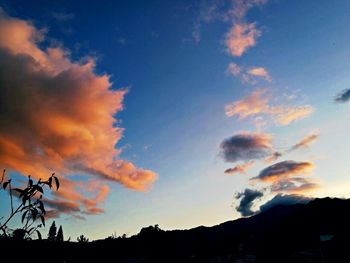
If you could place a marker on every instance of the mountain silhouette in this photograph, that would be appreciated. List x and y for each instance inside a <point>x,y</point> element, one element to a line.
<point>318,231</point>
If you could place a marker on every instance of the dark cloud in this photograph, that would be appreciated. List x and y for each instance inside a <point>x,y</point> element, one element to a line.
<point>281,199</point>
<point>343,96</point>
<point>246,147</point>
<point>284,169</point>
<point>246,203</point>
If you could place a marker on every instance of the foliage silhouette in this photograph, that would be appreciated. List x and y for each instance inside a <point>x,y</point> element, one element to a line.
<point>82,239</point>
<point>31,206</point>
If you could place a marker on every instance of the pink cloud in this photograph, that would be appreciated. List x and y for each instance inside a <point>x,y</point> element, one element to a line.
<point>239,168</point>
<point>241,37</point>
<point>258,104</point>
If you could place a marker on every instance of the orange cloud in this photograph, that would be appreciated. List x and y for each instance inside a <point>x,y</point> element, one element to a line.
<point>258,103</point>
<point>58,115</point>
<point>241,37</point>
<point>251,105</point>
<point>291,114</point>
<point>239,168</point>
<point>260,72</point>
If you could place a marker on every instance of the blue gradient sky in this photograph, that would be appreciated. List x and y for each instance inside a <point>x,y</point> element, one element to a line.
<point>174,113</point>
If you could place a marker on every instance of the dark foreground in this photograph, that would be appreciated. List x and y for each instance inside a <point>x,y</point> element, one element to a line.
<point>315,232</point>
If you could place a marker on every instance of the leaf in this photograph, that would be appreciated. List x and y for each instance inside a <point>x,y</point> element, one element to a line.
<point>42,220</point>
<point>39,234</point>
<point>57,182</point>
<point>34,212</point>
<point>38,188</point>
<point>24,215</point>
<point>24,199</point>
<point>5,184</point>
<point>50,182</point>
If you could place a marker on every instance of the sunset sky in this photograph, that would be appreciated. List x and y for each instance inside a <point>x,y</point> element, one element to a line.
<point>177,113</point>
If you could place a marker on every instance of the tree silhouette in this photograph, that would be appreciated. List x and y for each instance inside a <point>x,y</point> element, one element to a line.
<point>52,232</point>
<point>59,237</point>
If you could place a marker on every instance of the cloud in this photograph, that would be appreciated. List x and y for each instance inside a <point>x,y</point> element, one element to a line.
<point>306,141</point>
<point>233,69</point>
<point>294,185</point>
<point>343,96</point>
<point>239,168</point>
<point>282,199</point>
<point>246,146</point>
<point>248,75</point>
<point>248,196</point>
<point>273,157</point>
<point>257,104</point>
<point>241,37</point>
<point>284,169</point>
<point>259,72</point>
<point>254,104</point>
<point>56,114</point>
<point>285,116</point>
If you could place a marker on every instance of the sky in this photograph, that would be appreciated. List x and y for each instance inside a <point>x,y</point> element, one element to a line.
<point>181,113</point>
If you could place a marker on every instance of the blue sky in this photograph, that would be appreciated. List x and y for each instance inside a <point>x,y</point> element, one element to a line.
<point>178,87</point>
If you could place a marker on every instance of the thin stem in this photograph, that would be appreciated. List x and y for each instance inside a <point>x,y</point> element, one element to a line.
<point>11,198</point>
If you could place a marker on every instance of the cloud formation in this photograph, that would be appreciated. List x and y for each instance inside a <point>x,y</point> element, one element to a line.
<point>282,199</point>
<point>241,37</point>
<point>246,147</point>
<point>306,141</point>
<point>294,185</point>
<point>239,168</point>
<point>343,96</point>
<point>248,196</point>
<point>283,170</point>
<point>58,115</point>
<point>248,75</point>
<point>257,104</point>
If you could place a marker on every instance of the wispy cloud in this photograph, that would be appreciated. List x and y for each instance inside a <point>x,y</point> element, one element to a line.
<point>246,147</point>
<point>239,168</point>
<point>298,185</point>
<point>306,141</point>
<point>257,104</point>
<point>248,75</point>
<point>57,114</point>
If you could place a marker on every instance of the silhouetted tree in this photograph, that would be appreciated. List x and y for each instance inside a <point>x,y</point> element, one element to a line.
<point>82,239</point>
<point>59,237</point>
<point>52,232</point>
